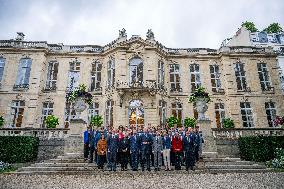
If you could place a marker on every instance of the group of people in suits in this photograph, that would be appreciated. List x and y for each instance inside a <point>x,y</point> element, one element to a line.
<point>148,147</point>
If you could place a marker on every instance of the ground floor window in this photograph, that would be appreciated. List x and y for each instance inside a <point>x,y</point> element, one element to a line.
<point>93,110</point>
<point>17,113</point>
<point>136,113</point>
<point>162,112</point>
<point>47,109</point>
<point>219,114</point>
<point>270,113</point>
<point>177,110</point>
<point>247,116</point>
<point>109,113</point>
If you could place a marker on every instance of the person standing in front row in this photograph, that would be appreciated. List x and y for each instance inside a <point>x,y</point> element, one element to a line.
<point>112,150</point>
<point>167,151</point>
<point>146,145</point>
<point>101,151</point>
<point>177,150</point>
<point>86,143</point>
<point>124,151</point>
<point>188,146</point>
<point>157,150</point>
<point>134,150</point>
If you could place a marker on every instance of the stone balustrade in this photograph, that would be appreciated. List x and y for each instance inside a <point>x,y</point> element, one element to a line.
<point>42,133</point>
<point>241,132</point>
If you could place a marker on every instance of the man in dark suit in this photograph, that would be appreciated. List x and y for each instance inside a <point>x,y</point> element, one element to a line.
<point>188,146</point>
<point>134,150</point>
<point>112,142</point>
<point>146,149</point>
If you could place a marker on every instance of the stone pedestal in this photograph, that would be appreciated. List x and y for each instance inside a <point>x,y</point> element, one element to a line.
<point>77,127</point>
<point>209,148</point>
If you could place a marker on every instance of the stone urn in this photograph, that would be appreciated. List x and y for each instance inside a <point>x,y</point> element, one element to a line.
<point>201,107</point>
<point>79,105</point>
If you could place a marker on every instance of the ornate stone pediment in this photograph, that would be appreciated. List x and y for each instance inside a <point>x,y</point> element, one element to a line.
<point>137,47</point>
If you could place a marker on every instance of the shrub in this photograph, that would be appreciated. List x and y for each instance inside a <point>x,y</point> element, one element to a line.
<point>199,93</point>
<point>273,28</point>
<point>259,148</point>
<point>4,166</point>
<point>51,121</point>
<point>278,161</point>
<point>18,149</point>
<point>249,26</point>
<point>228,123</point>
<point>172,121</point>
<point>96,120</point>
<point>2,121</point>
<point>189,122</point>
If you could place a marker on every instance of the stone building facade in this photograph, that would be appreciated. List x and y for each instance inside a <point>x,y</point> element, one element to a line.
<point>137,81</point>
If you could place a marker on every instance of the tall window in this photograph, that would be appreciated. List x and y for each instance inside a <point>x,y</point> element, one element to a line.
<point>194,76</point>
<point>215,78</point>
<point>240,76</point>
<point>96,76</point>
<point>17,113</point>
<point>177,110</point>
<point>93,110</point>
<point>161,74</point>
<point>69,114</point>
<point>219,114</point>
<point>175,77</point>
<point>246,112</point>
<point>163,112</point>
<point>74,74</point>
<point>109,113</point>
<point>136,71</point>
<point>47,109</point>
<point>110,73</point>
<point>270,113</point>
<point>52,71</point>
<point>23,75</point>
<point>263,76</point>
<point>2,65</point>
<point>136,113</point>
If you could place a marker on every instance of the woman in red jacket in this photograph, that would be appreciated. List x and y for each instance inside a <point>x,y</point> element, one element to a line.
<point>177,150</point>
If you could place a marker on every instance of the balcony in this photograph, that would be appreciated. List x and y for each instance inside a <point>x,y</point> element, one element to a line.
<point>219,91</point>
<point>176,90</point>
<point>268,90</point>
<point>96,90</point>
<point>48,89</point>
<point>21,87</point>
<point>247,89</point>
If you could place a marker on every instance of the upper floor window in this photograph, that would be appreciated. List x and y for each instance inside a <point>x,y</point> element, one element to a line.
<point>96,76</point>
<point>215,78</point>
<point>240,76</point>
<point>163,112</point>
<point>175,77</point>
<point>110,73</point>
<point>136,71</point>
<point>177,110</point>
<point>219,114</point>
<point>161,74</point>
<point>52,71</point>
<point>247,116</point>
<point>194,76</point>
<point>93,110</point>
<point>109,113</point>
<point>73,76</point>
<point>17,113</point>
<point>23,75</point>
<point>263,76</point>
<point>2,65</point>
<point>270,110</point>
<point>47,109</point>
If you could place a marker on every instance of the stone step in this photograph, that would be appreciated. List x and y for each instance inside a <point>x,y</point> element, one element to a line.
<point>221,159</point>
<point>255,166</point>
<point>58,169</point>
<point>221,171</point>
<point>231,163</point>
<point>65,161</point>
<point>57,164</point>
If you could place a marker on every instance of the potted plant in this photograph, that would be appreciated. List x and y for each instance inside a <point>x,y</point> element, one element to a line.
<point>96,121</point>
<point>51,121</point>
<point>200,98</point>
<point>172,121</point>
<point>189,122</point>
<point>2,121</point>
<point>228,123</point>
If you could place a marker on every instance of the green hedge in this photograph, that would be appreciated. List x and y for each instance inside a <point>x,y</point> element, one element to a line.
<point>259,148</point>
<point>18,149</point>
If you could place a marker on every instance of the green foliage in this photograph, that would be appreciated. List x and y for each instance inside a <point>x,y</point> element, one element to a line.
<point>2,121</point>
<point>172,121</point>
<point>273,28</point>
<point>51,121</point>
<point>18,149</point>
<point>189,122</point>
<point>249,26</point>
<point>228,123</point>
<point>80,92</point>
<point>96,120</point>
<point>260,148</point>
<point>199,93</point>
<point>278,161</point>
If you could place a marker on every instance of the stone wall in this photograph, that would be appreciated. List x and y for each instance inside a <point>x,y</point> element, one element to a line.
<point>227,148</point>
<point>50,148</point>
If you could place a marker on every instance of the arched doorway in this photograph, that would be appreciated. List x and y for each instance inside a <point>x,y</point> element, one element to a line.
<point>136,113</point>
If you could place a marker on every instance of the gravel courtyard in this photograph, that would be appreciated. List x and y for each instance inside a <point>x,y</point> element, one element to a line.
<point>143,180</point>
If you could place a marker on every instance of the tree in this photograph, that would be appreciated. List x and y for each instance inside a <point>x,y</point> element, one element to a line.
<point>249,26</point>
<point>273,28</point>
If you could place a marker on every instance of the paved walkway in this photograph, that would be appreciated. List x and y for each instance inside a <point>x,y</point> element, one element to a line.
<point>121,180</point>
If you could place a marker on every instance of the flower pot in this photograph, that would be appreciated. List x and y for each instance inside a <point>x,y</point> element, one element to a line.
<point>79,105</point>
<point>201,107</point>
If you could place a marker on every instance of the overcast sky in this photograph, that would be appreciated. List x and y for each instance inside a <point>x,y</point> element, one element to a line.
<point>175,23</point>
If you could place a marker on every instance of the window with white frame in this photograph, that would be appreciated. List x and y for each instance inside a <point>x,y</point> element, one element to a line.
<point>109,113</point>
<point>52,71</point>
<point>162,112</point>
<point>136,71</point>
<point>69,114</point>
<point>219,114</point>
<point>73,76</point>
<point>240,76</point>
<point>270,110</point>
<point>247,116</point>
<point>23,75</point>
<point>96,76</point>
<point>93,110</point>
<point>175,77</point>
<point>194,76</point>
<point>263,76</point>
<point>177,110</point>
<point>2,66</point>
<point>17,113</point>
<point>215,78</point>
<point>161,74</point>
<point>110,73</point>
<point>47,109</point>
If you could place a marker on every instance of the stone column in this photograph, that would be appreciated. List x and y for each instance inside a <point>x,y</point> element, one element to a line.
<point>209,148</point>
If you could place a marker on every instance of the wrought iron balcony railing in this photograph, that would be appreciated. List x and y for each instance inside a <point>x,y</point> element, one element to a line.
<point>21,87</point>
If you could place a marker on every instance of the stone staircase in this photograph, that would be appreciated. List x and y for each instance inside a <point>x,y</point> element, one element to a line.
<point>73,164</point>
